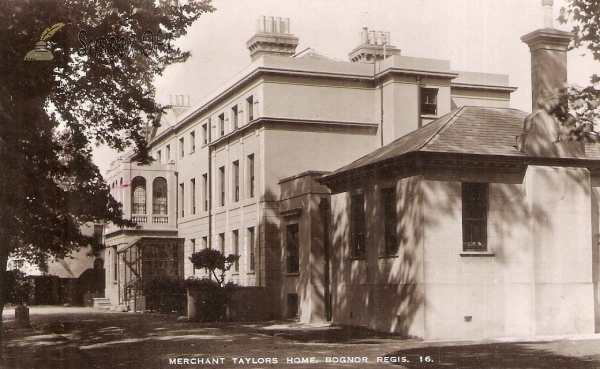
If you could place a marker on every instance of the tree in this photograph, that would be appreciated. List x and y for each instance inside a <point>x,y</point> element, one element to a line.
<point>97,87</point>
<point>214,260</point>
<point>584,102</point>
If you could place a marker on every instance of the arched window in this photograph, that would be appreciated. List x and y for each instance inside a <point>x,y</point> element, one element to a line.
<point>98,263</point>
<point>159,196</point>
<point>138,200</point>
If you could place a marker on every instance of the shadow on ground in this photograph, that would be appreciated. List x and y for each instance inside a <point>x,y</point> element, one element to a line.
<point>323,334</point>
<point>80,338</point>
<point>540,355</point>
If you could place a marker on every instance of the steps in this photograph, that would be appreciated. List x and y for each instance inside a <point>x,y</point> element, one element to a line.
<point>102,303</point>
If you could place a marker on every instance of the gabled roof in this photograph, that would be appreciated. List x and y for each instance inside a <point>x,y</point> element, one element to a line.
<point>311,53</point>
<point>469,130</point>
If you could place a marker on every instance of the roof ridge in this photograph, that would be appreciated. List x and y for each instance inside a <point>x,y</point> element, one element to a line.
<point>444,126</point>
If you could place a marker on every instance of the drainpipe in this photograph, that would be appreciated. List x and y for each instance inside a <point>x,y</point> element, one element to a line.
<point>419,120</point>
<point>118,276</point>
<point>176,198</point>
<point>209,180</point>
<point>381,119</point>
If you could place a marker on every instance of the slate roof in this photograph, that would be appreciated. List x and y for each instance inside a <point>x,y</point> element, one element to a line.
<point>466,130</point>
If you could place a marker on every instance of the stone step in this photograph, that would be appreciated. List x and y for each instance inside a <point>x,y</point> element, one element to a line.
<point>102,303</point>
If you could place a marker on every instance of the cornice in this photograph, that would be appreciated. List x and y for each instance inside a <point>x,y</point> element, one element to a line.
<point>416,162</point>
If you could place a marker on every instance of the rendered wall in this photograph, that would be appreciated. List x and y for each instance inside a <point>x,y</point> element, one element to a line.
<point>318,99</point>
<point>595,197</point>
<point>291,149</point>
<point>539,276</point>
<point>380,292</point>
<point>562,242</point>
<point>302,193</point>
<point>485,295</point>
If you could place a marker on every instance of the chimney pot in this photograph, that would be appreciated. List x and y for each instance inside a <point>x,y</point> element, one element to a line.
<point>279,43</point>
<point>286,25</point>
<point>372,37</point>
<point>379,38</point>
<point>374,46</point>
<point>547,4</point>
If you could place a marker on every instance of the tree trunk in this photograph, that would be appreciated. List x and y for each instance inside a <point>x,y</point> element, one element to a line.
<point>3,264</point>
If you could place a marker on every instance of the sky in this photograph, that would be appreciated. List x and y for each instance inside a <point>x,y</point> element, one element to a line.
<point>474,35</point>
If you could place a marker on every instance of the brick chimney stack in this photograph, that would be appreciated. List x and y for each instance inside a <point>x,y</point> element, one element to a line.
<point>272,37</point>
<point>548,47</point>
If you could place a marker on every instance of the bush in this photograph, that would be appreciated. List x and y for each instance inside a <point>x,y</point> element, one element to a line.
<point>209,299</point>
<point>165,294</point>
<point>15,287</point>
<point>164,285</point>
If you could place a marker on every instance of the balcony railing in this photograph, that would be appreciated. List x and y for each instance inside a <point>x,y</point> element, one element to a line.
<point>139,218</point>
<point>160,219</point>
<point>156,219</point>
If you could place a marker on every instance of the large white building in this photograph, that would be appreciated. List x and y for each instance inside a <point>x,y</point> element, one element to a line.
<point>237,171</point>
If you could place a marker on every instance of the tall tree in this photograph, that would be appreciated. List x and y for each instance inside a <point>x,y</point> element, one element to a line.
<point>74,73</point>
<point>584,15</point>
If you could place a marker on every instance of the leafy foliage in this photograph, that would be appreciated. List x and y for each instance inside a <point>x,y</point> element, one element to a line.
<point>214,260</point>
<point>583,102</point>
<point>51,112</point>
<point>159,285</point>
<point>585,17</point>
<point>15,287</point>
<point>211,298</point>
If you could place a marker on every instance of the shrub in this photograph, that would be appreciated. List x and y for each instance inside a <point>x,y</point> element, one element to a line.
<point>165,294</point>
<point>214,260</point>
<point>210,298</point>
<point>16,288</point>
<point>164,285</point>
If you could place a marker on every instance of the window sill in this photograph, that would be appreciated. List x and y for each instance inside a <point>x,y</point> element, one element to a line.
<point>429,116</point>
<point>358,258</point>
<point>483,254</point>
<point>295,274</point>
<point>250,273</point>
